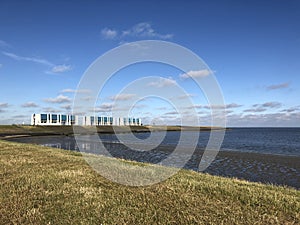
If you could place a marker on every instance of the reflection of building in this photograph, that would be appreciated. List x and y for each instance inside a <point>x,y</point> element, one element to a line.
<point>60,119</point>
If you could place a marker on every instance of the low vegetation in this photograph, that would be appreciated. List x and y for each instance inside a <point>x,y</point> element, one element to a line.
<point>12,130</point>
<point>41,185</point>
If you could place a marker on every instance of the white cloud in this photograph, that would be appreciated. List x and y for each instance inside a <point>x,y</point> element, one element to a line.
<point>195,106</point>
<point>269,105</point>
<point>172,113</point>
<point>122,97</point>
<point>232,105</point>
<point>29,105</point>
<point>291,109</point>
<point>264,120</point>
<point>69,90</point>
<point>278,86</point>
<point>29,59</point>
<point>59,99</point>
<point>263,107</point>
<point>3,105</point>
<point>139,31</point>
<point>255,110</point>
<point>51,110</point>
<point>61,68</point>
<point>107,33</point>
<point>163,82</point>
<point>66,107</point>
<point>144,30</point>
<point>104,107</point>
<point>195,74</point>
<point>55,68</point>
<point>226,106</point>
<point>186,96</point>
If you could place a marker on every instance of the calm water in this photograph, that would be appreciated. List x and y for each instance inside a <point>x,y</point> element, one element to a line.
<point>278,160</point>
<point>278,141</point>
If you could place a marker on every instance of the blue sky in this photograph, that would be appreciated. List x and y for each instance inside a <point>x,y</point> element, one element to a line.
<point>252,46</point>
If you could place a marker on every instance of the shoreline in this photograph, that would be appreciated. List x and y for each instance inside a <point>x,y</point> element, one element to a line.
<point>8,131</point>
<point>258,167</point>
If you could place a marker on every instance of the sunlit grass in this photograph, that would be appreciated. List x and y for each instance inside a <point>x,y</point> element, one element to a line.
<point>42,185</point>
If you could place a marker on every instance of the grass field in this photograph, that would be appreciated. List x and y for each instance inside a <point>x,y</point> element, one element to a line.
<point>41,185</point>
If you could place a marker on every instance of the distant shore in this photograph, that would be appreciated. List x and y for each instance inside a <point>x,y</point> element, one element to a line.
<point>12,131</point>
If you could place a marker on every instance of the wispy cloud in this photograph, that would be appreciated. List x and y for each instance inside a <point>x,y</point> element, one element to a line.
<point>54,68</point>
<point>195,74</point>
<point>4,44</point>
<point>232,105</point>
<point>59,99</point>
<point>122,97</point>
<point>142,30</point>
<point>264,119</point>
<point>51,110</point>
<point>291,109</point>
<point>3,106</point>
<point>61,68</point>
<point>172,113</point>
<point>29,59</point>
<point>163,82</point>
<point>195,106</point>
<point>107,33</point>
<point>69,90</point>
<point>145,30</point>
<point>278,86</point>
<point>269,105</point>
<point>67,107</point>
<point>255,110</point>
<point>186,96</point>
<point>29,105</point>
<point>227,106</point>
<point>104,107</point>
<point>264,107</point>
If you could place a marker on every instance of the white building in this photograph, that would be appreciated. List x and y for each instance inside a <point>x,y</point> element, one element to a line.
<point>53,119</point>
<point>61,119</point>
<point>107,120</point>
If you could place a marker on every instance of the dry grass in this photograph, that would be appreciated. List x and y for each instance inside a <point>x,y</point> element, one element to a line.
<point>41,185</point>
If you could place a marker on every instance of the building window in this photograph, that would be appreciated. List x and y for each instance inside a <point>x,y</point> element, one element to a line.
<point>54,118</point>
<point>105,120</point>
<point>43,118</point>
<point>72,119</point>
<point>63,119</point>
<point>92,120</point>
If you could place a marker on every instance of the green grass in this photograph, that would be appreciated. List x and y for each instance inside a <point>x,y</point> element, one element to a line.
<point>40,185</point>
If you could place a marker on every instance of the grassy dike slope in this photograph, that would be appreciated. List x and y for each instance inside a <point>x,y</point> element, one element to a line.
<point>40,185</point>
